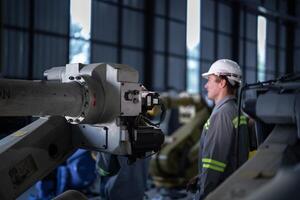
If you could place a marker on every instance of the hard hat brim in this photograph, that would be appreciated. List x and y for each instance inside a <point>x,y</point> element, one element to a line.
<point>205,75</point>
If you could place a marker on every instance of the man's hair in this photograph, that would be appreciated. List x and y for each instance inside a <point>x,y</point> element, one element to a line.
<point>231,89</point>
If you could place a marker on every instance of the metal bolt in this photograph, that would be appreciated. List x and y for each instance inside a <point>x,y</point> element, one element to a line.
<point>135,100</point>
<point>78,77</point>
<point>71,78</point>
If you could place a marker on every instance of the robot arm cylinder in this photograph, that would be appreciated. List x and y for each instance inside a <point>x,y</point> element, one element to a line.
<point>40,98</point>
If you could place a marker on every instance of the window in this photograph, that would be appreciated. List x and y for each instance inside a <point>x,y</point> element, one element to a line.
<point>80,31</point>
<point>193,45</point>
<point>261,48</point>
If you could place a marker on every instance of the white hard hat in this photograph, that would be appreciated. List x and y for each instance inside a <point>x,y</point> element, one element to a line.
<point>225,67</point>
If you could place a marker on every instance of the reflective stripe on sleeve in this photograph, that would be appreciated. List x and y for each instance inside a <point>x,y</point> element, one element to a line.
<point>213,167</point>
<point>243,121</point>
<point>206,125</point>
<point>214,162</point>
<point>102,172</point>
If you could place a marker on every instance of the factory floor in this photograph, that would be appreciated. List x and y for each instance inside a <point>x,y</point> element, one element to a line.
<point>162,194</point>
<point>159,194</point>
<point>151,194</point>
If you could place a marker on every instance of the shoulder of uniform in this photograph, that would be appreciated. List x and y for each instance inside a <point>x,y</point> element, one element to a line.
<point>229,109</point>
<point>230,105</point>
<point>224,115</point>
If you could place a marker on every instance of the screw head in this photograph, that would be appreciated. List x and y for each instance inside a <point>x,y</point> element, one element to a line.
<point>135,100</point>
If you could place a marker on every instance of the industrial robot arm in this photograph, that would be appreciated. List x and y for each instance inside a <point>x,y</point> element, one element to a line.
<point>177,162</point>
<point>95,106</point>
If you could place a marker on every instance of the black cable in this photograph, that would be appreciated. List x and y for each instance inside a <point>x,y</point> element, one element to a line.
<point>238,126</point>
<point>284,78</point>
<point>151,154</point>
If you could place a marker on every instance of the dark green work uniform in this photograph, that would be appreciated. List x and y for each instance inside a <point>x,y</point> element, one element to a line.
<point>222,151</point>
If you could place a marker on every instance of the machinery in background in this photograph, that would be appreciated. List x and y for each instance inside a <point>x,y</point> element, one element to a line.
<point>177,161</point>
<point>273,173</point>
<point>99,107</point>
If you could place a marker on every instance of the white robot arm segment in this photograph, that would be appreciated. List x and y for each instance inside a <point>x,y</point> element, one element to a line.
<point>97,106</point>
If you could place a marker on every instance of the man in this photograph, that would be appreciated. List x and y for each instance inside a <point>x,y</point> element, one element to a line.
<point>119,180</point>
<point>222,151</point>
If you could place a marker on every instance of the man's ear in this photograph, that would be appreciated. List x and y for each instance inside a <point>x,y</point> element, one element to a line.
<point>223,83</point>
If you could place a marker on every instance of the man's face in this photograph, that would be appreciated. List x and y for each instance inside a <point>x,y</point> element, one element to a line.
<point>213,87</point>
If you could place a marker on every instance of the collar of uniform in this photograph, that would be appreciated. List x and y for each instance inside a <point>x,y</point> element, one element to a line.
<point>224,100</point>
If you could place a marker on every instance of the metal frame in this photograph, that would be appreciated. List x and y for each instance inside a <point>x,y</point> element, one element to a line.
<point>289,19</point>
<point>31,39</point>
<point>148,50</point>
<point>290,37</point>
<point>32,31</point>
<point>149,43</point>
<point>216,29</point>
<point>119,37</point>
<point>167,53</point>
<point>1,35</point>
<point>244,41</point>
<point>277,46</point>
<point>235,30</point>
